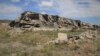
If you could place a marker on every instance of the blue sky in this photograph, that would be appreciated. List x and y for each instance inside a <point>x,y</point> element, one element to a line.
<point>85,10</point>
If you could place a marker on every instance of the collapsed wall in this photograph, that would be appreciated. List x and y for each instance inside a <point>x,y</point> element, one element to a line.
<point>36,20</point>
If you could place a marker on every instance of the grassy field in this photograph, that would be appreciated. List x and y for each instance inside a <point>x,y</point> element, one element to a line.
<point>26,44</point>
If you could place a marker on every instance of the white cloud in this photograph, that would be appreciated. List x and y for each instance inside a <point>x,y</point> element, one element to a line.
<point>43,12</point>
<point>9,9</point>
<point>46,3</point>
<point>15,0</point>
<point>27,2</point>
<point>69,8</point>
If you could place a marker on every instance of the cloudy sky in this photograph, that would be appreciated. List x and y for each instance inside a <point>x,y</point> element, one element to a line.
<point>85,10</point>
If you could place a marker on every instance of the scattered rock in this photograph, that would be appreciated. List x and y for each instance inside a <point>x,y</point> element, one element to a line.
<point>88,35</point>
<point>73,39</point>
<point>85,36</point>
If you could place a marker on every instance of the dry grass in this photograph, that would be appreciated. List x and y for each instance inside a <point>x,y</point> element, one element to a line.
<point>26,44</point>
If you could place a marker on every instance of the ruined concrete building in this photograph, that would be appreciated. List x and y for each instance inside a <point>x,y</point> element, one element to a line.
<point>31,20</point>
